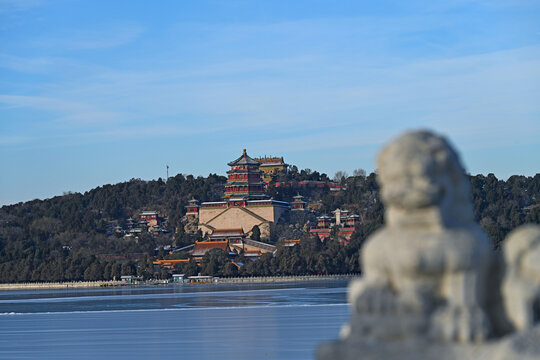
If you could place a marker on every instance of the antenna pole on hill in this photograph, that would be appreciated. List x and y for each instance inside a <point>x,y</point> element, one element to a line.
<point>167,173</point>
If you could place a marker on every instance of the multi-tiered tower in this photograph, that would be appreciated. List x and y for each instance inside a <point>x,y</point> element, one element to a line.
<point>244,181</point>
<point>245,203</point>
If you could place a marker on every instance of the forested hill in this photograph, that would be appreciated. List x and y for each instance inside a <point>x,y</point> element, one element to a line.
<point>60,238</point>
<point>501,206</point>
<point>68,237</point>
<point>88,212</point>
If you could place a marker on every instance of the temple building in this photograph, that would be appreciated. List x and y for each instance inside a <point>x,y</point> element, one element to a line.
<point>149,216</point>
<point>270,166</point>
<point>202,247</point>
<point>245,203</point>
<point>233,236</point>
<point>322,230</point>
<point>232,241</point>
<point>244,179</point>
<point>238,242</point>
<point>193,207</point>
<point>345,223</point>
<point>298,203</point>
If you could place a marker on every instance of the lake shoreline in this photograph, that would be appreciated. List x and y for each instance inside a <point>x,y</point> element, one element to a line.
<point>59,285</point>
<point>216,280</point>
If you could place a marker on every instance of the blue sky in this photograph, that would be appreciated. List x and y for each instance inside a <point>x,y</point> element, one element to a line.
<point>96,92</point>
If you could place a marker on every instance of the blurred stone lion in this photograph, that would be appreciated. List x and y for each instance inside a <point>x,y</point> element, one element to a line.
<point>430,258</point>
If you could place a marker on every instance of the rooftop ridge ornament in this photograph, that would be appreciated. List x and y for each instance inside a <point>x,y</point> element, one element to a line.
<point>244,159</point>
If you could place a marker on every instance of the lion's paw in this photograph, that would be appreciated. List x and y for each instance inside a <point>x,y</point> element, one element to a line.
<point>382,300</point>
<point>376,300</point>
<point>459,323</point>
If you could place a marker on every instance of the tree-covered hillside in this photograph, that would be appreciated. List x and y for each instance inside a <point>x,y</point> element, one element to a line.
<point>69,237</point>
<point>62,238</point>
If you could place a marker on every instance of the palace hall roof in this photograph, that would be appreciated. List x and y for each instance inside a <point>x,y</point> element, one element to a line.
<point>201,247</point>
<point>259,244</point>
<point>227,232</point>
<point>245,159</point>
<point>270,161</point>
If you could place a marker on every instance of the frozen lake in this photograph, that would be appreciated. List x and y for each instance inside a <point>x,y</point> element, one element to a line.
<point>245,321</point>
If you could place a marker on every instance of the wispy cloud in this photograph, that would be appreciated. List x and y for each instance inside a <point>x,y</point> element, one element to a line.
<point>32,65</point>
<point>65,113</point>
<point>345,87</point>
<point>46,64</point>
<point>457,94</point>
<point>7,6</point>
<point>43,103</point>
<point>14,140</point>
<point>217,69</point>
<point>91,117</point>
<point>105,36</point>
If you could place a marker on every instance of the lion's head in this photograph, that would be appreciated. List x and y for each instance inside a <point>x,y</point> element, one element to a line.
<point>420,170</point>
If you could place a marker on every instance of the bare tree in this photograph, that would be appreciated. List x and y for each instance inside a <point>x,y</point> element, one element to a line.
<point>359,173</point>
<point>340,176</point>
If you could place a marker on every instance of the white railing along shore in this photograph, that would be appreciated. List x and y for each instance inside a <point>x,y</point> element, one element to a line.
<point>58,285</point>
<point>104,283</point>
<point>291,278</point>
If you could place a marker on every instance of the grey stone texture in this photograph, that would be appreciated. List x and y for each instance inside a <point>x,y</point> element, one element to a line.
<point>521,285</point>
<point>432,287</point>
